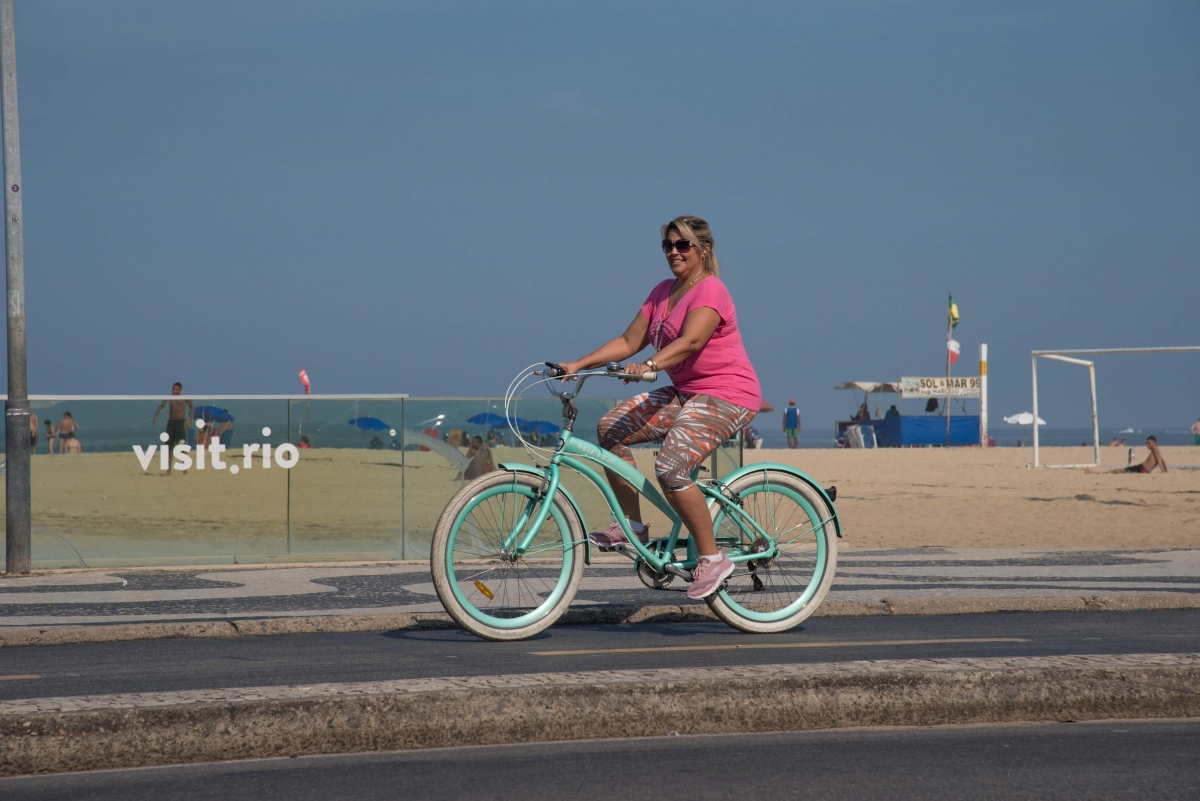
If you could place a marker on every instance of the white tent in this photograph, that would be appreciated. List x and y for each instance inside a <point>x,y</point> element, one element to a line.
<point>867,387</point>
<point>870,386</point>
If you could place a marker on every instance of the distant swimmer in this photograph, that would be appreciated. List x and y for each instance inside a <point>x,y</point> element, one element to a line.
<point>1155,459</point>
<point>1196,433</point>
<point>179,416</point>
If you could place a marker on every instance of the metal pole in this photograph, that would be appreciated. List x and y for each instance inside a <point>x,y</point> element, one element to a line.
<point>949,337</point>
<point>17,544</point>
<point>947,399</point>
<point>983,410</point>
<point>289,480</point>
<point>403,471</point>
<point>1035,414</point>
<point>1095,419</point>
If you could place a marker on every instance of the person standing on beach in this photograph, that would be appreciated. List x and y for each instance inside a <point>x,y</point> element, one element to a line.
<point>691,322</point>
<point>66,435</point>
<point>791,424</point>
<point>1196,433</point>
<point>179,417</point>
<point>33,432</point>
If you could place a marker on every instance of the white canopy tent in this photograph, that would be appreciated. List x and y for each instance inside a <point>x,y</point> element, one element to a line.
<point>867,387</point>
<point>871,386</point>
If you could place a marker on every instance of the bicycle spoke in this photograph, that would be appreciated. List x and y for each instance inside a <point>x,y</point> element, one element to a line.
<point>778,582</point>
<point>513,588</point>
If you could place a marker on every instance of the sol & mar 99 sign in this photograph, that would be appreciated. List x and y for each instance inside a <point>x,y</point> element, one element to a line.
<point>939,387</point>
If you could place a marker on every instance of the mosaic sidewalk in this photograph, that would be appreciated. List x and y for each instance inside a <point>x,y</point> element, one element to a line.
<point>129,596</point>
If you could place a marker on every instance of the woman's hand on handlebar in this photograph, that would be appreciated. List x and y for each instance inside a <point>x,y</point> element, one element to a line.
<point>636,368</point>
<point>570,368</point>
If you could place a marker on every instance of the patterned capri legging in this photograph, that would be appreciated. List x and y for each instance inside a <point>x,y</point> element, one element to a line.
<point>690,427</point>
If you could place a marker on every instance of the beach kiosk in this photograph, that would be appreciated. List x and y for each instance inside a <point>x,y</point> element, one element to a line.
<point>866,388</point>
<point>920,429</point>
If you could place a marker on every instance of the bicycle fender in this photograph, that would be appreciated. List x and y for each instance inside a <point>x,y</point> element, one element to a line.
<point>511,467</point>
<point>800,474</point>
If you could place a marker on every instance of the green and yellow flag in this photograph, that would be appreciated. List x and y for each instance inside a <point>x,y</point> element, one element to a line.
<point>953,314</point>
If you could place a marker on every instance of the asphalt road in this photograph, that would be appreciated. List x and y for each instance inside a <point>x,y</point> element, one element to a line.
<point>1122,759</point>
<point>167,665</point>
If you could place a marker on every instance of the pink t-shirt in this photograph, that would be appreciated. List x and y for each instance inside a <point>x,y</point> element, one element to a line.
<point>721,368</point>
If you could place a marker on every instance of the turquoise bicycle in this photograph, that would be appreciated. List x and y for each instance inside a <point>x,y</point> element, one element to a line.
<point>509,549</point>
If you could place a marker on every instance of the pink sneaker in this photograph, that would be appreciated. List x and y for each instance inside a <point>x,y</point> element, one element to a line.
<point>613,536</point>
<point>707,577</point>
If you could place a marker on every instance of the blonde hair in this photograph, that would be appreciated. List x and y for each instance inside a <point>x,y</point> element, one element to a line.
<point>696,231</point>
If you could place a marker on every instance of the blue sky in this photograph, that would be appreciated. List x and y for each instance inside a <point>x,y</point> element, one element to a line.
<point>425,197</point>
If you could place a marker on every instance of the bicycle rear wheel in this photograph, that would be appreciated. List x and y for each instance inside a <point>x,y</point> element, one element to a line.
<point>486,592</point>
<point>776,593</point>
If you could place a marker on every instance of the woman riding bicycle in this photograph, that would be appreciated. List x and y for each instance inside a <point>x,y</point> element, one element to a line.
<point>692,324</point>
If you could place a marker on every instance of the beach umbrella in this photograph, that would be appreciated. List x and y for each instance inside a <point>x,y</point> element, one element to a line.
<point>487,419</point>
<point>369,424</point>
<point>541,427</point>
<point>211,414</point>
<point>1023,419</point>
<point>766,407</point>
<point>493,419</point>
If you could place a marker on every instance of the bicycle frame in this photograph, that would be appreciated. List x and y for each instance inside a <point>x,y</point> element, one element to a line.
<point>575,454</point>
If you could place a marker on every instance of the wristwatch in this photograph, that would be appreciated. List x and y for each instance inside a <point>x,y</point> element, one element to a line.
<point>651,364</point>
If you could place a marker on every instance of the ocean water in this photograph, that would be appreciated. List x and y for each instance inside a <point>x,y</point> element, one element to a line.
<point>118,425</point>
<point>1007,436</point>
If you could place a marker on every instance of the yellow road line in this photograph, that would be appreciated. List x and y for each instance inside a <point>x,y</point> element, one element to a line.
<point>19,676</point>
<point>848,644</point>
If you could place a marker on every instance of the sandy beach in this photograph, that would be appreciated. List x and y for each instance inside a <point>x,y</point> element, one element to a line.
<point>969,497</point>
<point>104,508</point>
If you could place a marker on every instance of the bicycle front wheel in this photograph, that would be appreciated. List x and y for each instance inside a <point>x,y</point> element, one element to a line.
<point>777,592</point>
<point>488,593</point>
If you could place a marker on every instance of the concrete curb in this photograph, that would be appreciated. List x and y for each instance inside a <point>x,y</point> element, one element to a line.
<point>333,623</point>
<point>88,733</point>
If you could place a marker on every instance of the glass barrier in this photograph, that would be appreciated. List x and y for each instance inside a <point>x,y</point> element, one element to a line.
<point>346,478</point>
<point>104,491</point>
<point>345,495</point>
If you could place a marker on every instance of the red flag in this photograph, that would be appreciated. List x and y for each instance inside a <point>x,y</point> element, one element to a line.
<point>953,347</point>
<point>304,381</point>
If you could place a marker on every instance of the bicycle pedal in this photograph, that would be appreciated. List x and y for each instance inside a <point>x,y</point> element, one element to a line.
<point>686,575</point>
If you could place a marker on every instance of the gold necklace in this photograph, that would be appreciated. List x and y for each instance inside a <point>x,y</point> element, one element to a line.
<point>691,283</point>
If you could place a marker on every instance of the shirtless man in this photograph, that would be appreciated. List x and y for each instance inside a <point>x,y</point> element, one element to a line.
<point>33,432</point>
<point>179,417</point>
<point>66,435</point>
<point>1196,432</point>
<point>1155,459</point>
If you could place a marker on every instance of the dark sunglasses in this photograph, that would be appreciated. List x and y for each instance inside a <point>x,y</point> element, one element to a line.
<point>682,245</point>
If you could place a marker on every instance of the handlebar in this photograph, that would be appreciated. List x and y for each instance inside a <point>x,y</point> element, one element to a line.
<point>556,371</point>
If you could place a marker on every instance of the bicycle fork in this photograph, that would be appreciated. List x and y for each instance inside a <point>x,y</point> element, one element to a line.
<point>523,532</point>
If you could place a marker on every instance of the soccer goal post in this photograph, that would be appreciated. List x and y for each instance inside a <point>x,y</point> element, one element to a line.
<point>1069,356</point>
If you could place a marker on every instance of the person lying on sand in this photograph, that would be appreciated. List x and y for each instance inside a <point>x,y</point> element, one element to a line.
<point>1155,459</point>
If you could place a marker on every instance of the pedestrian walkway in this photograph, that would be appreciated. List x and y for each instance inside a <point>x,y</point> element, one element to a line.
<point>157,595</point>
